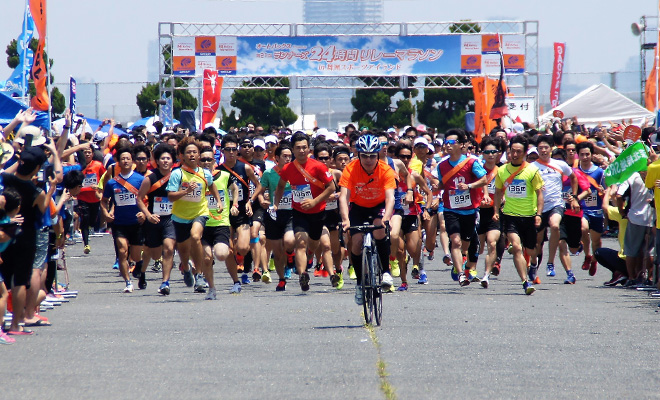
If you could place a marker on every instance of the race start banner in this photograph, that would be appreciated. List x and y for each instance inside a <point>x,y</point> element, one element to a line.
<point>348,55</point>
<point>631,160</point>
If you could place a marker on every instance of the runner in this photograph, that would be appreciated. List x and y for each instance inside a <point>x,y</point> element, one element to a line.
<point>90,197</point>
<point>520,185</point>
<point>311,185</point>
<point>593,210</point>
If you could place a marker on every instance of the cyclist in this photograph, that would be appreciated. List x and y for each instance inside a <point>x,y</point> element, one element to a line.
<point>368,185</point>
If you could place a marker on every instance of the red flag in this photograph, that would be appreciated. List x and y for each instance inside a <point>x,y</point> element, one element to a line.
<point>557,71</point>
<point>500,108</point>
<point>211,96</point>
<point>41,100</point>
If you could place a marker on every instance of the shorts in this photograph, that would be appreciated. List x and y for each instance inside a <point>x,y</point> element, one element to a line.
<point>215,234</point>
<point>154,234</point>
<point>182,230</point>
<point>275,229</point>
<point>312,224</point>
<point>545,217</point>
<point>460,223</point>
<point>638,241</point>
<point>239,220</point>
<point>41,254</point>
<point>358,215</point>
<point>17,263</point>
<point>409,224</point>
<point>570,231</point>
<point>486,223</point>
<point>523,227</point>
<point>131,232</point>
<point>595,222</point>
<point>258,215</point>
<point>332,220</point>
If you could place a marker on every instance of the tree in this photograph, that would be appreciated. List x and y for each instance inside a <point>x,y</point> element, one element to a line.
<point>183,100</point>
<point>373,107</point>
<point>263,107</point>
<point>58,102</point>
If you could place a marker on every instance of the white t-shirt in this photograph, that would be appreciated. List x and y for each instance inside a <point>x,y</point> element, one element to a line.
<point>640,212</point>
<point>552,182</point>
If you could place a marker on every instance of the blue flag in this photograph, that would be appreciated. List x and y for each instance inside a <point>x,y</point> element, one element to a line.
<point>72,96</point>
<point>17,84</point>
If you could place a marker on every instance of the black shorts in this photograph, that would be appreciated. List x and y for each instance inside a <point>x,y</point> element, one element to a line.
<point>523,227</point>
<point>362,215</point>
<point>312,224</point>
<point>409,224</point>
<point>460,223</point>
<point>570,231</point>
<point>133,233</point>
<point>182,230</point>
<point>258,215</point>
<point>275,229</point>
<point>332,220</point>
<point>545,217</point>
<point>17,263</point>
<point>240,219</point>
<point>215,234</point>
<point>486,223</point>
<point>154,234</point>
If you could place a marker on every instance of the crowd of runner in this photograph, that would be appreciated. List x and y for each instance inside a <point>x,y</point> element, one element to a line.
<point>271,203</point>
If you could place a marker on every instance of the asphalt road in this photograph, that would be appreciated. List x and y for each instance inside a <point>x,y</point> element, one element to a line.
<point>437,340</point>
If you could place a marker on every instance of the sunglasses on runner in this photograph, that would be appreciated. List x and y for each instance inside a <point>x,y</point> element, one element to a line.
<point>206,159</point>
<point>230,149</point>
<point>369,156</point>
<point>323,158</point>
<point>487,152</point>
<point>141,159</point>
<point>405,157</point>
<point>450,141</point>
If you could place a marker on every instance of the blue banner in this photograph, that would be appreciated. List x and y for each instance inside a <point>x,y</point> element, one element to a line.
<point>72,96</point>
<point>17,84</point>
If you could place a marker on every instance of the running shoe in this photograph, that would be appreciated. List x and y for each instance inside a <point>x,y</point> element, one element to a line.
<point>256,275</point>
<point>164,289</point>
<point>158,266</point>
<point>550,269</point>
<point>351,273</point>
<point>136,273</point>
<point>115,265</point>
<point>287,272</point>
<point>414,273</point>
<point>281,285</point>
<point>454,274</point>
<point>290,260</point>
<point>271,264</point>
<point>334,280</point>
<point>617,278</point>
<point>325,273</point>
<point>87,249</point>
<point>446,259</point>
<point>304,281</point>
<point>142,283</point>
<point>403,287</point>
<point>310,262</point>
<point>387,279</point>
<point>532,272</point>
<point>593,267</point>
<point>484,282</point>
<point>388,289</point>
<point>245,279</point>
<point>317,271</point>
<point>129,287</point>
<point>423,280</point>
<point>131,267</point>
<point>430,255</point>
<point>579,250</point>
<point>537,280</point>
<point>340,284</point>
<point>394,267</point>
<point>236,288</point>
<point>265,278</point>
<point>199,283</point>
<point>585,264</point>
<point>496,269</point>
<point>570,278</point>
<point>211,295</point>
<point>528,288</point>
<point>5,339</point>
<point>188,278</point>
<point>359,295</point>
<point>472,274</point>
<point>463,280</point>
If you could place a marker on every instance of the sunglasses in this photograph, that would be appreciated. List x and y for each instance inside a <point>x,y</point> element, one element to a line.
<point>369,156</point>
<point>206,159</point>
<point>488,152</point>
<point>471,148</point>
<point>323,158</point>
<point>450,141</point>
<point>246,146</point>
<point>406,157</point>
<point>141,159</point>
<point>230,149</point>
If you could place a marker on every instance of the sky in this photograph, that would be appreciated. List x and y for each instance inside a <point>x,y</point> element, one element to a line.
<point>110,41</point>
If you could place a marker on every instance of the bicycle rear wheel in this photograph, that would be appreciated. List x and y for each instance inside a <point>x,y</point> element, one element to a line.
<point>367,285</point>
<point>377,287</point>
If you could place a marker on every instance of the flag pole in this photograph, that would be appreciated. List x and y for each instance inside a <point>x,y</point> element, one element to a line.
<point>48,84</point>
<point>657,67</point>
<point>26,46</point>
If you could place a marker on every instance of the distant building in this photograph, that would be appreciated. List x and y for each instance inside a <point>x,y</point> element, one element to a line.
<point>350,11</point>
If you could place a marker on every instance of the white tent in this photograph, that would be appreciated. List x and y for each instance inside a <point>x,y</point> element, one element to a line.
<point>600,103</point>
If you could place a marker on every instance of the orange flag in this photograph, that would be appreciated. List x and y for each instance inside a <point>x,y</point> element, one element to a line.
<point>210,96</point>
<point>484,91</point>
<point>41,100</point>
<point>650,89</point>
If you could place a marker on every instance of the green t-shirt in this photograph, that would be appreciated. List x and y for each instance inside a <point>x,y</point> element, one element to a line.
<point>269,180</point>
<point>520,195</point>
<point>220,180</point>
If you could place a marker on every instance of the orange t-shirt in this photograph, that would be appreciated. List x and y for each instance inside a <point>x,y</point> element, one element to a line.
<point>92,172</point>
<point>367,190</point>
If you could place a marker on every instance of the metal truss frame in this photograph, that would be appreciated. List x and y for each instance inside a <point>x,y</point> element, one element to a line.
<point>521,84</point>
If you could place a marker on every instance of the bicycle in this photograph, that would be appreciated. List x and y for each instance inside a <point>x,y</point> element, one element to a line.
<point>371,274</point>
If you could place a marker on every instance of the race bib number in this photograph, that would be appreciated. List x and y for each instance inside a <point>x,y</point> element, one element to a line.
<point>240,194</point>
<point>195,196</point>
<point>162,206</point>
<point>125,199</point>
<point>459,199</point>
<point>331,204</point>
<point>592,199</point>
<point>491,187</point>
<point>566,195</point>
<point>252,187</point>
<point>285,201</point>
<point>90,181</point>
<point>40,175</point>
<point>302,192</point>
<point>210,200</point>
<point>517,189</point>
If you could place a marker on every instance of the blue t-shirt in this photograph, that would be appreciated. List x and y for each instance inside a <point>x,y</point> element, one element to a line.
<point>126,207</point>
<point>593,204</point>
<point>477,169</point>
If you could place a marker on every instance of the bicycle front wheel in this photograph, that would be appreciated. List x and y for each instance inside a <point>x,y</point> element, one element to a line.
<point>367,284</point>
<point>377,273</point>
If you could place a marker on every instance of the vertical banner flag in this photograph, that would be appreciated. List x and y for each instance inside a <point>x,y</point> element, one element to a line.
<point>651,87</point>
<point>72,96</point>
<point>16,85</point>
<point>484,91</point>
<point>166,109</point>
<point>211,96</point>
<point>557,70</point>
<point>500,108</point>
<point>41,100</point>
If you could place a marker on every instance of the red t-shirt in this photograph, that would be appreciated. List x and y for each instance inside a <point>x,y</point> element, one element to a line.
<point>93,173</point>
<point>301,187</point>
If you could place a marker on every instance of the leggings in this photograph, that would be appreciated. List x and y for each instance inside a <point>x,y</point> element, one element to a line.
<point>89,215</point>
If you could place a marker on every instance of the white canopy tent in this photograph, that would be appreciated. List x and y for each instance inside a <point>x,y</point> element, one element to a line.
<point>600,103</point>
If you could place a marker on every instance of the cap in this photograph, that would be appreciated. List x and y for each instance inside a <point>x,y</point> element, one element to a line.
<point>37,137</point>
<point>532,150</point>
<point>518,127</point>
<point>32,157</point>
<point>260,143</point>
<point>421,128</point>
<point>99,136</point>
<point>270,139</point>
<point>246,140</point>
<point>332,137</point>
<point>421,140</point>
<point>320,132</point>
<point>151,129</point>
